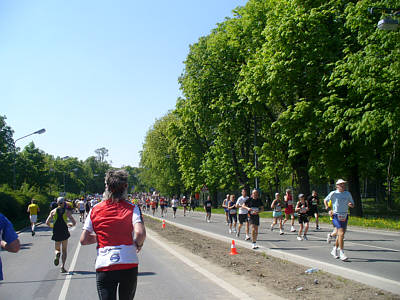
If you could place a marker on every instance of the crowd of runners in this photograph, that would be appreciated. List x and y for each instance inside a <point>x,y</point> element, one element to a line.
<point>244,212</point>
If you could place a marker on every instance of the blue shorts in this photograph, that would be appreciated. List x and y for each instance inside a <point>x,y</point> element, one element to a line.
<point>338,223</point>
<point>226,210</point>
<point>276,214</point>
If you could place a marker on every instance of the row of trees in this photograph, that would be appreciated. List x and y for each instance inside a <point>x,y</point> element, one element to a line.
<point>287,92</point>
<point>45,173</point>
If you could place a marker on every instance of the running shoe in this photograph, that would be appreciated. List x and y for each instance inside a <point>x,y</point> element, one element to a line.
<point>317,228</point>
<point>328,238</point>
<point>272,228</point>
<point>292,229</point>
<point>63,270</point>
<point>281,232</point>
<point>57,259</point>
<point>342,256</point>
<point>230,231</point>
<point>33,233</point>
<point>208,221</point>
<point>305,237</point>
<point>299,238</point>
<point>254,246</point>
<point>237,234</point>
<point>247,238</point>
<point>234,230</point>
<point>334,253</point>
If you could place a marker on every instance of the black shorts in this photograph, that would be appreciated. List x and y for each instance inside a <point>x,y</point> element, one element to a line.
<point>208,210</point>
<point>162,206</point>
<point>232,217</point>
<point>81,211</point>
<point>303,218</point>
<point>243,218</point>
<point>254,219</point>
<point>174,208</point>
<point>313,210</point>
<point>123,282</point>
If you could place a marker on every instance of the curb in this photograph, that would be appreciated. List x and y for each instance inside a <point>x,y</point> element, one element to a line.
<point>364,278</point>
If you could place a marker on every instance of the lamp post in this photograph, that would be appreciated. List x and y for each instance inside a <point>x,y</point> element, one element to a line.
<point>387,23</point>
<point>15,153</point>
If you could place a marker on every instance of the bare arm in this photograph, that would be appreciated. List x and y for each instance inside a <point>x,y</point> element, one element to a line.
<point>273,204</point>
<point>88,238</point>
<point>51,215</point>
<point>140,235</point>
<point>71,218</point>
<point>13,247</point>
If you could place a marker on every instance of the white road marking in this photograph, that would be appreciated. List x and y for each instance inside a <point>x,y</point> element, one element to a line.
<point>223,284</point>
<point>67,281</point>
<point>372,246</point>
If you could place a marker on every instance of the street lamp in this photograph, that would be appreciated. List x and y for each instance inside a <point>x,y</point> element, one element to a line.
<point>15,153</point>
<point>387,23</point>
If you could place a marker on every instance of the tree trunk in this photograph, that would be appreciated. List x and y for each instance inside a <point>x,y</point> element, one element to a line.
<point>300,166</point>
<point>354,188</point>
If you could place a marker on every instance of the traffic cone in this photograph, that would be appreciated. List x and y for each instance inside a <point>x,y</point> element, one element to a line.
<point>163,224</point>
<point>233,248</point>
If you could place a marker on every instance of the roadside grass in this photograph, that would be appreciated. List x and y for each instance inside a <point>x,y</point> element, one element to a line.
<point>391,222</point>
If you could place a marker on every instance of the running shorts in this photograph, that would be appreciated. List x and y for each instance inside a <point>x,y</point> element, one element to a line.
<point>254,219</point>
<point>243,218</point>
<point>340,221</point>
<point>162,206</point>
<point>174,208</point>
<point>289,210</point>
<point>313,210</point>
<point>82,211</point>
<point>208,209</point>
<point>303,218</point>
<point>226,210</point>
<point>232,217</point>
<point>277,214</point>
<point>33,218</point>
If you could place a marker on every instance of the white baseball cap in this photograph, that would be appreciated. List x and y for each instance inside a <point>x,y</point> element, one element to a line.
<point>340,181</point>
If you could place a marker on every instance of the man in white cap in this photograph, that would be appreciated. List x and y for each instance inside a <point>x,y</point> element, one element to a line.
<point>341,201</point>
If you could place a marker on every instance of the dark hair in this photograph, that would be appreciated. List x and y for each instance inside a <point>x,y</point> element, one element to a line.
<point>116,180</point>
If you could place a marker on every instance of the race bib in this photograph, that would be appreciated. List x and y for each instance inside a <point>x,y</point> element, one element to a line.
<point>232,211</point>
<point>208,204</point>
<point>303,210</point>
<point>314,202</point>
<point>290,202</point>
<point>254,210</point>
<point>278,208</point>
<point>342,217</point>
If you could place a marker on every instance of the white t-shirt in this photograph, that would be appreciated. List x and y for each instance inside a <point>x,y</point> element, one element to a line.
<point>81,204</point>
<point>242,200</point>
<point>174,202</point>
<point>340,201</point>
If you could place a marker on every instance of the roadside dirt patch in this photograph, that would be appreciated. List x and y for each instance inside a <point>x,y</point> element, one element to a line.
<point>278,276</point>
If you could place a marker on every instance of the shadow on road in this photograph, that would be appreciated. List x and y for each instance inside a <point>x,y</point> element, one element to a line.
<point>369,260</point>
<point>372,250</point>
<point>276,248</point>
<point>25,246</point>
<point>146,273</point>
<point>82,272</point>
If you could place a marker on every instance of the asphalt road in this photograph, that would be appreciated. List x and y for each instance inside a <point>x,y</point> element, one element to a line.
<point>369,251</point>
<point>31,274</point>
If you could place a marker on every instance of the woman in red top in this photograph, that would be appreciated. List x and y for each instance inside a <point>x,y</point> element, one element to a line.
<point>111,224</point>
<point>289,208</point>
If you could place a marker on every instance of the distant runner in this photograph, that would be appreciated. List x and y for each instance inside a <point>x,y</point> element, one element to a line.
<point>174,205</point>
<point>207,208</point>
<point>313,202</point>
<point>254,206</point>
<point>33,210</point>
<point>277,213</point>
<point>243,214</point>
<point>162,206</point>
<point>289,210</point>
<point>302,210</point>
<point>232,210</point>
<point>153,204</point>
<point>184,204</point>
<point>226,210</point>
<point>60,231</point>
<point>81,208</point>
<point>341,201</point>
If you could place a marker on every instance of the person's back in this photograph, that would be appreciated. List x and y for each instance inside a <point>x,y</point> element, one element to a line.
<point>8,238</point>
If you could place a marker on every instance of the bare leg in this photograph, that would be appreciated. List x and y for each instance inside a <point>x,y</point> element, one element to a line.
<point>254,232</point>
<point>64,252</point>
<point>306,228</point>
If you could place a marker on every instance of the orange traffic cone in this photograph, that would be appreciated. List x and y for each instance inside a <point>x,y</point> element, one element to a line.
<point>233,248</point>
<point>163,224</point>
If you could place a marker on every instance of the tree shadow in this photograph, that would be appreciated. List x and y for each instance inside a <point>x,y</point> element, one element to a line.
<point>146,273</point>
<point>369,260</point>
<point>25,246</point>
<point>372,250</point>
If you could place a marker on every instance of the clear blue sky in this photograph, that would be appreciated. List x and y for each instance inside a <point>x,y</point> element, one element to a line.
<point>96,73</point>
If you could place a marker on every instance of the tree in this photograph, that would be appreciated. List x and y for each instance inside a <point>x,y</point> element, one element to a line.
<point>101,153</point>
<point>6,152</point>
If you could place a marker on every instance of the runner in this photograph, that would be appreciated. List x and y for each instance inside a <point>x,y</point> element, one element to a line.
<point>313,202</point>
<point>184,204</point>
<point>153,204</point>
<point>174,205</point>
<point>33,210</point>
<point>254,206</point>
<point>60,230</point>
<point>117,227</point>
<point>341,201</point>
<point>81,207</point>
<point>232,213</point>
<point>162,206</point>
<point>243,214</point>
<point>225,206</point>
<point>277,213</point>
<point>289,211</point>
<point>302,210</point>
<point>87,207</point>
<point>8,239</point>
<point>207,208</point>
<point>193,203</point>
<point>148,204</point>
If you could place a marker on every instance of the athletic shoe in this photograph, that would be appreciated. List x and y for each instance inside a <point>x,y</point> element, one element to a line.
<point>334,252</point>
<point>305,237</point>
<point>342,256</point>
<point>63,270</point>
<point>208,221</point>
<point>33,233</point>
<point>299,238</point>
<point>57,259</point>
<point>318,228</point>
<point>234,230</point>
<point>237,234</point>
<point>254,246</point>
<point>329,238</point>
<point>281,232</point>
<point>292,229</point>
<point>272,228</point>
<point>247,238</point>
<point>230,231</point>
